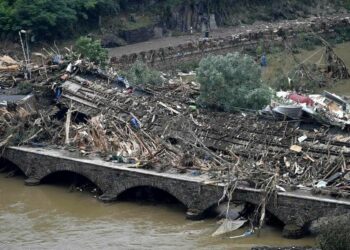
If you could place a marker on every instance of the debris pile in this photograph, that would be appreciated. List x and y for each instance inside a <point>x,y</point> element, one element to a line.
<point>82,108</point>
<point>8,69</point>
<point>327,109</point>
<point>7,64</point>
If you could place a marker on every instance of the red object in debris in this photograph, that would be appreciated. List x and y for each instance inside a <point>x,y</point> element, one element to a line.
<point>130,90</point>
<point>301,99</point>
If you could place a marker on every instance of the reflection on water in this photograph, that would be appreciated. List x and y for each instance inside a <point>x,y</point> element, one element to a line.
<point>50,217</point>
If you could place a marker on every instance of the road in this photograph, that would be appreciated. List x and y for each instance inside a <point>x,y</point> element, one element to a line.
<point>221,32</point>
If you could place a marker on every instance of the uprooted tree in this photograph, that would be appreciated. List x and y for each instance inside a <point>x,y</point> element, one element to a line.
<point>230,82</point>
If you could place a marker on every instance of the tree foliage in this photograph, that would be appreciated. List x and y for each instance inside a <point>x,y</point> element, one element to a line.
<point>232,81</point>
<point>92,50</point>
<point>47,18</point>
<point>140,74</point>
<point>61,18</point>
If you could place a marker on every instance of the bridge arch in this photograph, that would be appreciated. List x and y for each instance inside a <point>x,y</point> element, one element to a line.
<point>6,165</point>
<point>162,190</point>
<point>68,175</point>
<point>151,194</point>
<point>12,163</point>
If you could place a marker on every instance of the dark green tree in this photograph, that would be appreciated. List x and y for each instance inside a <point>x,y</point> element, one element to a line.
<point>51,19</point>
<point>43,17</point>
<point>230,82</point>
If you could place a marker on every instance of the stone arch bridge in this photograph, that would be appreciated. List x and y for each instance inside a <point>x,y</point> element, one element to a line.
<point>196,193</point>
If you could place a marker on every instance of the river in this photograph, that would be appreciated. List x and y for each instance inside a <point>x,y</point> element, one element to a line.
<point>51,217</point>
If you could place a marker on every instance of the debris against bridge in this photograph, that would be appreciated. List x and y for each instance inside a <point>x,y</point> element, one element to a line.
<point>79,107</point>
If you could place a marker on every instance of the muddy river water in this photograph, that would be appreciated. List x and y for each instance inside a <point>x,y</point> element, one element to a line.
<point>51,217</point>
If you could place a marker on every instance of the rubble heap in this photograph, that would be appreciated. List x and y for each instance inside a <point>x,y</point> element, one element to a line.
<point>81,108</point>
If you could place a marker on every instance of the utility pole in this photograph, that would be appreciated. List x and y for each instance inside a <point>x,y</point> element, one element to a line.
<point>26,52</point>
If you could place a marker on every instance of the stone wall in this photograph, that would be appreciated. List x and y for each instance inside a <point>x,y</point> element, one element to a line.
<point>166,58</point>
<point>138,35</point>
<point>292,208</point>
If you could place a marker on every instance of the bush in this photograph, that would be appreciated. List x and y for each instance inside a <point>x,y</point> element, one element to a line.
<point>258,98</point>
<point>335,235</point>
<point>92,50</point>
<point>188,66</point>
<point>230,82</point>
<point>141,74</point>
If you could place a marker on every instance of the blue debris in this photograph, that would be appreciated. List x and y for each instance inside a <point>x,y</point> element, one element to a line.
<point>134,123</point>
<point>57,59</point>
<point>195,173</point>
<point>122,82</point>
<point>263,60</point>
<point>58,93</point>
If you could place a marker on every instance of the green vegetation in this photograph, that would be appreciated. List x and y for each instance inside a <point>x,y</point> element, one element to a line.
<point>230,82</point>
<point>92,50</point>
<point>51,19</point>
<point>343,35</point>
<point>298,82</point>
<point>139,22</point>
<point>62,18</point>
<point>141,74</point>
<point>345,3</point>
<point>233,12</point>
<point>335,235</point>
<point>306,41</point>
<point>24,88</point>
<point>188,66</point>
